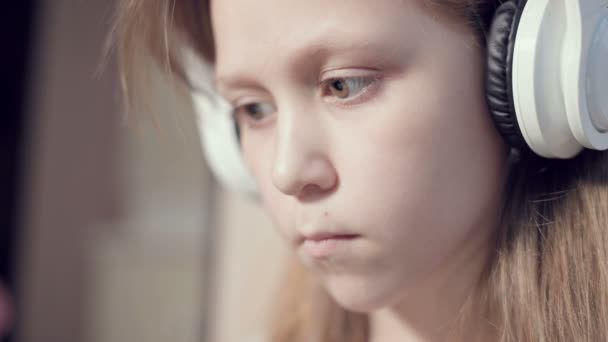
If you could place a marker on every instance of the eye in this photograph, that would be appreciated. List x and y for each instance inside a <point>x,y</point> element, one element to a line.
<point>253,112</point>
<point>347,87</point>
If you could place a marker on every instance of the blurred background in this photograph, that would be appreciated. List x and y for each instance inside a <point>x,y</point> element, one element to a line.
<point>113,229</point>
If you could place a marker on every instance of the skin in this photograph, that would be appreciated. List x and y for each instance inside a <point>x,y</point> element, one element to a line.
<point>409,159</point>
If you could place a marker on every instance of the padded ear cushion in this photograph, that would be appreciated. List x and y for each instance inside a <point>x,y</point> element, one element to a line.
<point>499,92</point>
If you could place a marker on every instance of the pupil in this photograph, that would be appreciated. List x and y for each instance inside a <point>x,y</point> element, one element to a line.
<point>252,108</point>
<point>339,85</point>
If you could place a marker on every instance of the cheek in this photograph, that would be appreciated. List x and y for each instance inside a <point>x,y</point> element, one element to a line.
<point>430,166</point>
<point>258,152</point>
<point>423,184</point>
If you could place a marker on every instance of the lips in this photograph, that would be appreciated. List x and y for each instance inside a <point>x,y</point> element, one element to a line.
<point>321,236</point>
<point>325,245</point>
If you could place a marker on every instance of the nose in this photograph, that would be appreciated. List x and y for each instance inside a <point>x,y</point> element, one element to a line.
<point>302,165</point>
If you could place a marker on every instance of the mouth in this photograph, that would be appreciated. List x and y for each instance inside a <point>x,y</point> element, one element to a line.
<point>323,244</point>
<point>322,236</point>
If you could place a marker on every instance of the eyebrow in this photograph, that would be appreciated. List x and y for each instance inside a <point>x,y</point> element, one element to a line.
<point>315,50</point>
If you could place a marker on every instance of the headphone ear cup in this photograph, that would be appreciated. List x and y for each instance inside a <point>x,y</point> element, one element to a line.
<point>499,93</point>
<point>221,143</point>
<point>216,127</point>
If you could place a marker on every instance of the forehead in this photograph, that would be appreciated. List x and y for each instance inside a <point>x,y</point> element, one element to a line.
<point>261,15</point>
<point>260,31</point>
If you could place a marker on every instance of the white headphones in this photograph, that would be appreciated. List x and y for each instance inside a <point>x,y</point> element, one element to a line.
<point>546,85</point>
<point>217,129</point>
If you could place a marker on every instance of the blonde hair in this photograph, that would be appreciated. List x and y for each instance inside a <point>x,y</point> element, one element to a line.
<point>548,278</point>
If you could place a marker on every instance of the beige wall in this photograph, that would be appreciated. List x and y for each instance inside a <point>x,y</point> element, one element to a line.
<point>72,177</point>
<point>125,236</point>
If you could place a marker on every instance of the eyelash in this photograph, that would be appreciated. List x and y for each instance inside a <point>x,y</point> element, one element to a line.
<point>359,97</point>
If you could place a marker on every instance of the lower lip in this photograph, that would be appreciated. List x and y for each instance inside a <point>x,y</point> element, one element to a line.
<point>327,247</point>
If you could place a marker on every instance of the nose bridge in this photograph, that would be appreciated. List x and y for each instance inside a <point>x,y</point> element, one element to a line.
<point>301,156</point>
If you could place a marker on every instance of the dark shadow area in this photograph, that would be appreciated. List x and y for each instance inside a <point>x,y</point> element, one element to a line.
<point>17,22</point>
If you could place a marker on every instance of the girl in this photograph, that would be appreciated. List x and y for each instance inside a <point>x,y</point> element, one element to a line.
<point>370,128</point>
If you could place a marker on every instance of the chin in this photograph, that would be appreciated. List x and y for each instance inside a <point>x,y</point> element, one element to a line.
<point>360,295</point>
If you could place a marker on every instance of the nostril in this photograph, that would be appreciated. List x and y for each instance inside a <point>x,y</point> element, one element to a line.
<point>311,189</point>
<point>312,192</point>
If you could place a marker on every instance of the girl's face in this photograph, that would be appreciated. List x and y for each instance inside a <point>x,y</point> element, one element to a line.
<point>364,118</point>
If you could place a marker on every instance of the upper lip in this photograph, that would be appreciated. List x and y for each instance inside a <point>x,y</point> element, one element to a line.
<point>318,236</point>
